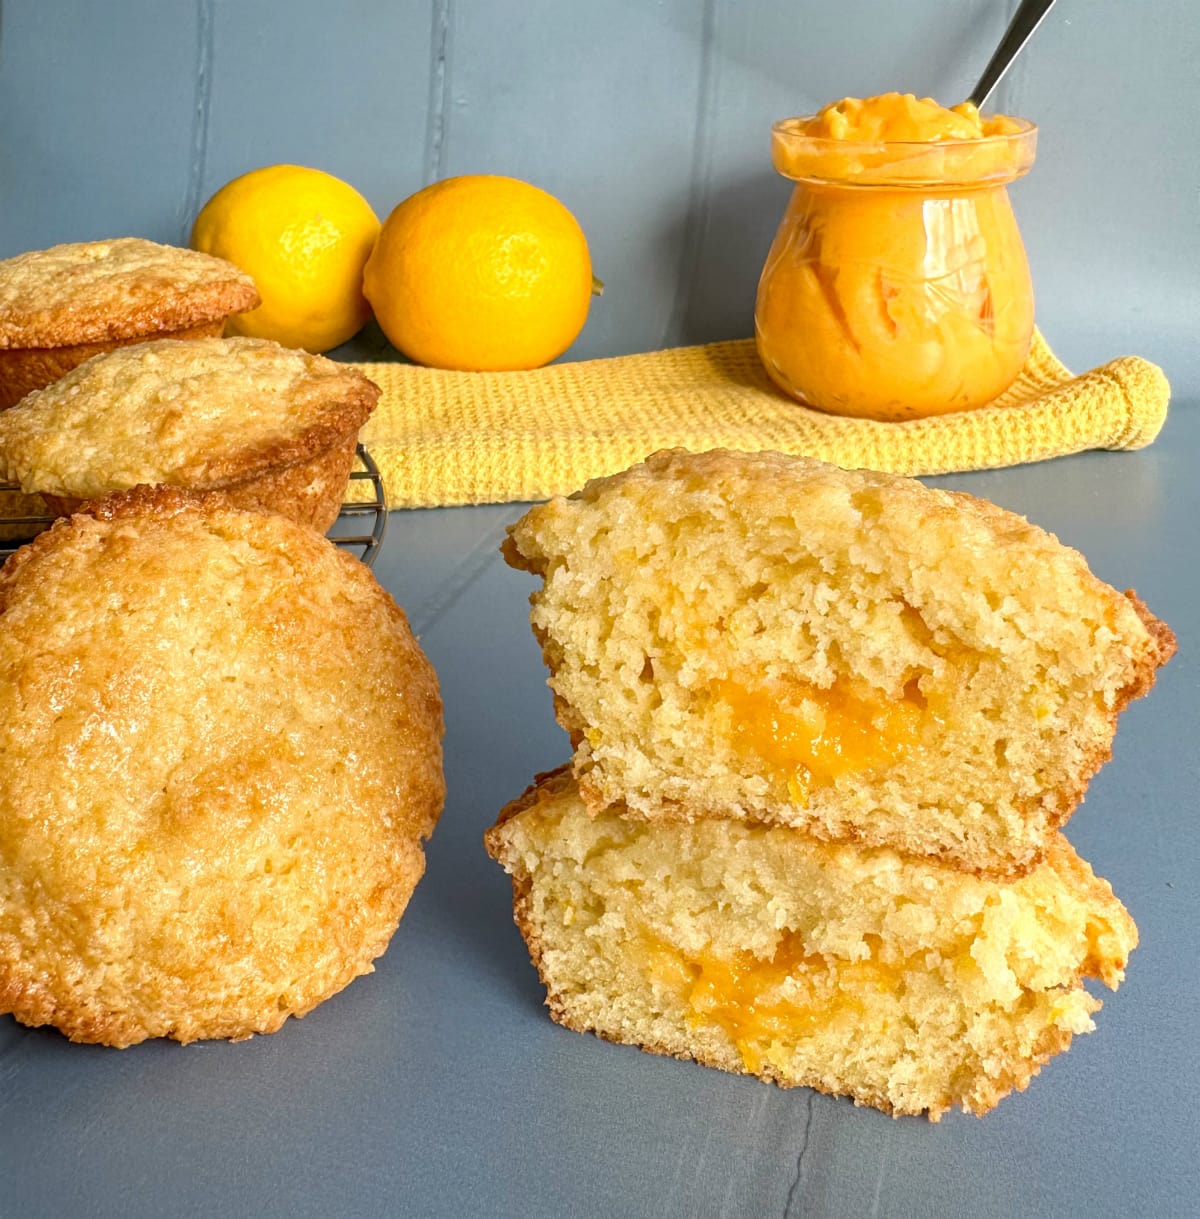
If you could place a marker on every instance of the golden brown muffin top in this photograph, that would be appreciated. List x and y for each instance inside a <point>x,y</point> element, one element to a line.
<point>222,745</point>
<point>200,413</point>
<point>90,291</point>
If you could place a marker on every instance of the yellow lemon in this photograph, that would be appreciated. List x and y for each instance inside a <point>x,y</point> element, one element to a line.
<point>304,236</point>
<point>480,273</point>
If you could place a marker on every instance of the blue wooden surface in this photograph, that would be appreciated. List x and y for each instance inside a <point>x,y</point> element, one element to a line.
<point>438,1086</point>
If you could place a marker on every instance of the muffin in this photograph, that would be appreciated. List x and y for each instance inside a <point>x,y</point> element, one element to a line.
<point>270,428</point>
<point>901,983</point>
<point>774,639</point>
<point>222,754</point>
<point>61,306</point>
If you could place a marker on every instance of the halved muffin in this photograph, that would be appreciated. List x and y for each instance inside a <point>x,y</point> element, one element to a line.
<point>63,305</point>
<point>771,638</point>
<point>271,428</point>
<point>222,754</point>
<point>904,984</point>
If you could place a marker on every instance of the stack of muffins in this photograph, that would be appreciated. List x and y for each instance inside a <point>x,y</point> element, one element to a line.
<point>826,725</point>
<point>113,374</point>
<point>221,742</point>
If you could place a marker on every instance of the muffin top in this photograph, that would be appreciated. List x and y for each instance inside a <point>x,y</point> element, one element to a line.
<point>200,413</point>
<point>222,747</point>
<point>92,291</point>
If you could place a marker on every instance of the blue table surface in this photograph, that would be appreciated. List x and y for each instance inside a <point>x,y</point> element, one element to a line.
<point>439,1086</point>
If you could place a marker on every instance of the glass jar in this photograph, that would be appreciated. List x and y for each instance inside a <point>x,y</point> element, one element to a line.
<point>897,286</point>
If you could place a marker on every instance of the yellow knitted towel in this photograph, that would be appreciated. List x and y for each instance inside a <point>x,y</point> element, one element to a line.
<point>470,438</point>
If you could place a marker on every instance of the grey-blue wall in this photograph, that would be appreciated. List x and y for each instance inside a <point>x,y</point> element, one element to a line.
<point>649,119</point>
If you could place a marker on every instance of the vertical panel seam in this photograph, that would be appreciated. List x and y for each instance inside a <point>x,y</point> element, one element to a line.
<point>438,114</point>
<point>696,224</point>
<point>880,1172</point>
<point>202,98</point>
<point>794,1190</point>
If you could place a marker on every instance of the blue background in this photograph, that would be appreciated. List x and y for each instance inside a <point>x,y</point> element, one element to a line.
<point>649,118</point>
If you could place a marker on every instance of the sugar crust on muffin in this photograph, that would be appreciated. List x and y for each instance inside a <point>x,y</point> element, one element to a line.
<point>221,754</point>
<point>96,291</point>
<point>202,413</point>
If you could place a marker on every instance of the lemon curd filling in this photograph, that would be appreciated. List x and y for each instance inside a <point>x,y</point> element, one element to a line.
<point>764,1002</point>
<point>809,737</point>
<point>897,286</point>
<point>903,117</point>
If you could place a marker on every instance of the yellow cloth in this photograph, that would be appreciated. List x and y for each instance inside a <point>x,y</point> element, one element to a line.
<point>444,438</point>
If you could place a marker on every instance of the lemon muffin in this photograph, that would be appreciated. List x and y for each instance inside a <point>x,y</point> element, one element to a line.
<point>61,306</point>
<point>768,637</point>
<point>904,984</point>
<point>222,752</point>
<point>271,428</point>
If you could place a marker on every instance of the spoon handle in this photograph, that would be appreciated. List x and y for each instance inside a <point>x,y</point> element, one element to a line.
<point>1025,20</point>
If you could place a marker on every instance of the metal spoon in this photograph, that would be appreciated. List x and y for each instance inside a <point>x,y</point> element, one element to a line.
<point>1025,20</point>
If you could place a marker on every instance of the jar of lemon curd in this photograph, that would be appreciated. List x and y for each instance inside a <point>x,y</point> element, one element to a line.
<point>897,286</point>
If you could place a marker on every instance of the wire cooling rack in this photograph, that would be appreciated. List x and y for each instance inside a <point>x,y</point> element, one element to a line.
<point>360,525</point>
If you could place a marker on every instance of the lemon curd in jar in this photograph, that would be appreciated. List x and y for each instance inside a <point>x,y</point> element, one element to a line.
<point>897,286</point>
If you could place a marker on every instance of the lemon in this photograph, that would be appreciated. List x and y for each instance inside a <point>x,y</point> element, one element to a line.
<point>478,273</point>
<point>303,235</point>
